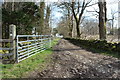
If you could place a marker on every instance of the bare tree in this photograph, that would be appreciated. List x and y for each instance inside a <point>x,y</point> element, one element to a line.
<point>112,21</point>
<point>78,14</point>
<point>63,28</point>
<point>66,10</point>
<point>90,27</point>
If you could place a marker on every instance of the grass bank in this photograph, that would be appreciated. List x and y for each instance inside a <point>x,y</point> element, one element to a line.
<point>23,68</point>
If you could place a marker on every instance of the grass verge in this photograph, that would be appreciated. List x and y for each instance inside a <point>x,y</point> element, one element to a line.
<point>23,68</point>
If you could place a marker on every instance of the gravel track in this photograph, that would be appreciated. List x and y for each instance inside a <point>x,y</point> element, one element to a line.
<point>71,61</point>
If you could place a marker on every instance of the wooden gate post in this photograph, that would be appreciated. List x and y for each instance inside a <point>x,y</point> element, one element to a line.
<point>13,37</point>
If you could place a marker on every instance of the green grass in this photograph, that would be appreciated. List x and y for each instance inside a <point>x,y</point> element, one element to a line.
<point>23,68</point>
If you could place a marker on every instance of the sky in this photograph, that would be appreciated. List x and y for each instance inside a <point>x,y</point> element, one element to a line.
<point>1,0</point>
<point>111,6</point>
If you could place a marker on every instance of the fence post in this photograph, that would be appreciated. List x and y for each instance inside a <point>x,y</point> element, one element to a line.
<point>28,45</point>
<point>50,45</point>
<point>13,37</point>
<point>0,33</point>
<point>0,38</point>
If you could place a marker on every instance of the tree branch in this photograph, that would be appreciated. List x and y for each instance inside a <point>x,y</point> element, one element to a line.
<point>93,11</point>
<point>73,3</point>
<point>92,4</point>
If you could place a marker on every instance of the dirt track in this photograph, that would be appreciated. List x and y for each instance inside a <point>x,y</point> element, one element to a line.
<point>70,61</point>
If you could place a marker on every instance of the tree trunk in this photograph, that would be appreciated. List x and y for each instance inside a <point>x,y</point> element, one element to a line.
<point>0,23</point>
<point>47,20</point>
<point>41,22</point>
<point>0,31</point>
<point>119,21</point>
<point>78,30</point>
<point>102,20</point>
<point>70,23</point>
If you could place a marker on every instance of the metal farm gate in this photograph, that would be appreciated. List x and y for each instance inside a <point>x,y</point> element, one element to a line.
<point>28,45</point>
<point>22,46</point>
